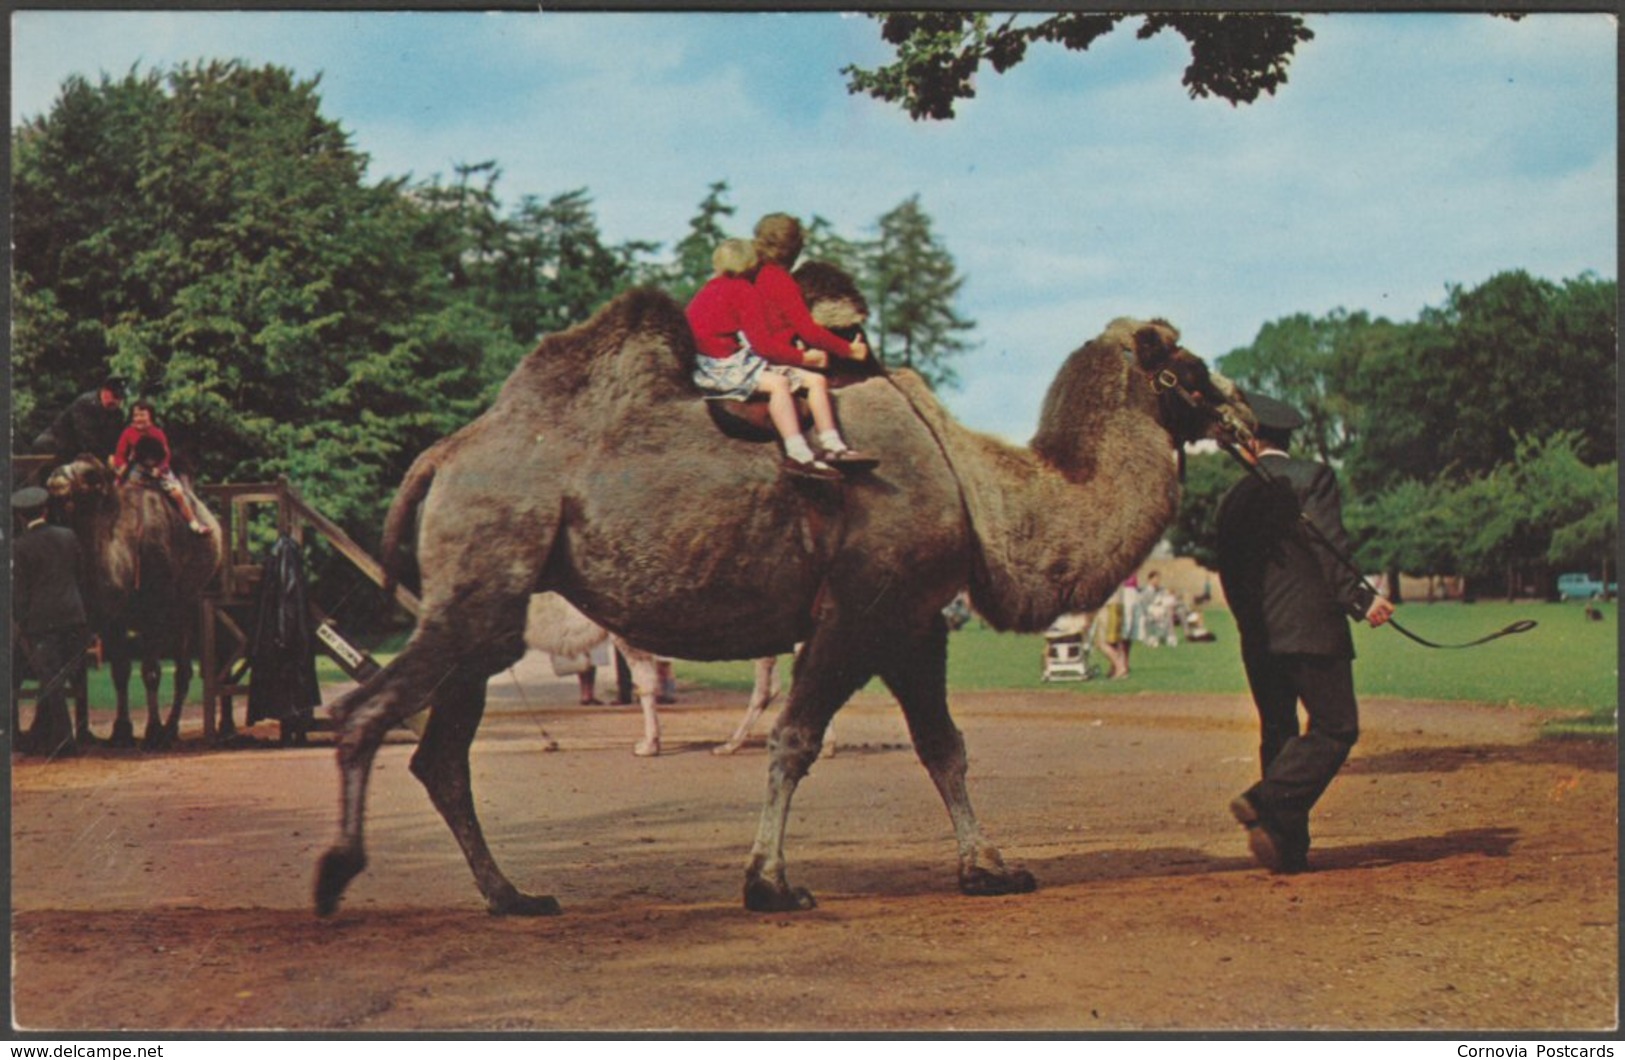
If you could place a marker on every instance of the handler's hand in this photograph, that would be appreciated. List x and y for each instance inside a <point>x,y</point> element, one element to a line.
<point>1380,611</point>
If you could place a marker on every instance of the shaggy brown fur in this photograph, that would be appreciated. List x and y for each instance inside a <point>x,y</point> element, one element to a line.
<point>148,572</point>
<point>597,475</point>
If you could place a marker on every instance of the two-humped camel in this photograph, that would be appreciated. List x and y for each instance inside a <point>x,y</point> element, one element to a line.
<point>598,474</point>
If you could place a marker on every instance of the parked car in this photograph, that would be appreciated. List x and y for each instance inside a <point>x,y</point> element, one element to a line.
<point>1577,585</point>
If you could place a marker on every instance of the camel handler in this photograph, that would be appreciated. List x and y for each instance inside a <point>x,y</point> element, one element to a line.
<point>1292,598</point>
<point>48,608</point>
<point>90,424</point>
<point>143,453</point>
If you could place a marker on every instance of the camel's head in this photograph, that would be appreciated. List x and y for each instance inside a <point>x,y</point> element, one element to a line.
<point>80,484</point>
<point>832,298</point>
<point>1193,401</point>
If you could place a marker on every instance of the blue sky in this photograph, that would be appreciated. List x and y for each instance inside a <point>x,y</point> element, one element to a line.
<point>1407,152</point>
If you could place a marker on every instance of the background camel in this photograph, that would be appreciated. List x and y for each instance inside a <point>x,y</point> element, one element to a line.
<point>553,626</point>
<point>148,571</point>
<point>597,474</point>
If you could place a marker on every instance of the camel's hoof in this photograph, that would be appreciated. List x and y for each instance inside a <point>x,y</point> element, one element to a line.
<point>123,735</point>
<point>763,897</point>
<point>647,748</point>
<point>86,739</point>
<point>159,739</point>
<point>525,905</point>
<point>979,883</point>
<point>334,873</point>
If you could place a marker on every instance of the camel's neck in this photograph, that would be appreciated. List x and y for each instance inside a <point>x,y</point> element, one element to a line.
<point>107,525</point>
<point>1062,524</point>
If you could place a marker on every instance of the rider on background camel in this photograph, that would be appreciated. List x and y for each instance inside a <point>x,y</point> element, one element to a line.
<point>143,453</point>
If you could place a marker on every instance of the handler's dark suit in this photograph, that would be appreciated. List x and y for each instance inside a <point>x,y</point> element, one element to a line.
<point>48,575</point>
<point>85,426</point>
<point>1292,600</point>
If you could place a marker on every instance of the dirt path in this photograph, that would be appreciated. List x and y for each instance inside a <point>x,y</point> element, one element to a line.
<point>1466,878</point>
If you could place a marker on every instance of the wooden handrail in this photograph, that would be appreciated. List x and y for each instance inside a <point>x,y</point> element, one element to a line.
<point>346,545</point>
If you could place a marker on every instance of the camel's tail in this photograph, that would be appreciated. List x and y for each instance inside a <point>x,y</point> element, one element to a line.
<point>403,510</point>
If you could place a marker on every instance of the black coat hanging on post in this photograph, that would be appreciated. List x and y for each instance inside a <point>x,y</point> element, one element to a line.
<point>282,654</point>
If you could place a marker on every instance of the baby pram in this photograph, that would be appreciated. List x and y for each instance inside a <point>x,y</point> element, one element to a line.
<point>1067,645</point>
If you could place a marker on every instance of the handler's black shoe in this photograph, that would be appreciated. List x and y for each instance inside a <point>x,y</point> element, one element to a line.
<point>1268,846</point>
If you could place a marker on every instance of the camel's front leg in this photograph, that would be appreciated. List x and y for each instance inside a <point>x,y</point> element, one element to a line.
<point>917,676</point>
<point>183,685</point>
<point>117,646</point>
<point>152,672</point>
<point>825,677</point>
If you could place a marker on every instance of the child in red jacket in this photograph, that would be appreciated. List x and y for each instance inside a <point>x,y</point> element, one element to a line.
<point>143,451</point>
<point>778,245</point>
<point>740,357</point>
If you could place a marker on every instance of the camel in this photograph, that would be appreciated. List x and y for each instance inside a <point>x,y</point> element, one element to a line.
<point>598,474</point>
<point>553,626</point>
<point>148,571</point>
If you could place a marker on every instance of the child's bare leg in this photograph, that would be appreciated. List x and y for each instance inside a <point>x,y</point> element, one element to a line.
<point>781,404</point>
<point>823,413</point>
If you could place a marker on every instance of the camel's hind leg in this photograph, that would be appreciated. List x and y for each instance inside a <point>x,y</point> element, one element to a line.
<point>448,669</point>
<point>825,678</point>
<point>441,763</point>
<point>917,675</point>
<point>363,716</point>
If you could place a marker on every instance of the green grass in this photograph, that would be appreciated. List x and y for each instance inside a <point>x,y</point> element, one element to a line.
<point>1565,663</point>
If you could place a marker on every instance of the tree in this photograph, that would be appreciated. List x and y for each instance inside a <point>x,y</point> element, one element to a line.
<point>692,266</point>
<point>1194,533</point>
<point>822,243</point>
<point>1513,355</point>
<point>1308,362</point>
<point>913,284</point>
<point>1233,56</point>
<point>224,252</point>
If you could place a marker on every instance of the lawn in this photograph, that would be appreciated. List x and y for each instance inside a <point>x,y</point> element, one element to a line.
<point>1566,663</point>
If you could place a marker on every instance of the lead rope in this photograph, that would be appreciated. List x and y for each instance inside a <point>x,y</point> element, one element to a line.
<point>1263,475</point>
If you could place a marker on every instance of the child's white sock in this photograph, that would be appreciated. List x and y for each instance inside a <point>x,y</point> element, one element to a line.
<point>796,448</point>
<point>832,441</point>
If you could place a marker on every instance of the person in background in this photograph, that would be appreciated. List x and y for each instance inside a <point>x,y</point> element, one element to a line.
<point>48,606</point>
<point>91,423</point>
<point>143,453</point>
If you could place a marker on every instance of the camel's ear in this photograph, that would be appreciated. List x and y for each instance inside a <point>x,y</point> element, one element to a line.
<point>1154,344</point>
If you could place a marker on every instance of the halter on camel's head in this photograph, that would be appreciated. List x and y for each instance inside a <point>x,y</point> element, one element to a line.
<point>84,474</point>
<point>1194,402</point>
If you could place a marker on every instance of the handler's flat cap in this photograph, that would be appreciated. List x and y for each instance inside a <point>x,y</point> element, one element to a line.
<point>29,498</point>
<point>1274,415</point>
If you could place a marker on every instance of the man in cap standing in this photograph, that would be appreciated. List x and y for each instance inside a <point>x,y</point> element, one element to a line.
<point>1292,596</point>
<point>48,577</point>
<point>91,424</point>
